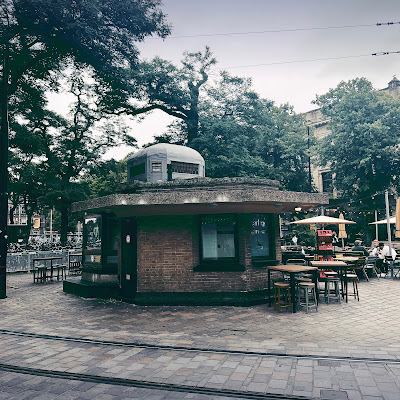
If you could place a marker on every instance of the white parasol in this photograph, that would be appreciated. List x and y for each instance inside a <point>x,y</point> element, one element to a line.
<point>322,220</point>
<point>392,220</point>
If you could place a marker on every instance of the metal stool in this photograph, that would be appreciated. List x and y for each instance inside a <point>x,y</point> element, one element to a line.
<point>310,297</point>
<point>61,272</point>
<point>286,301</point>
<point>332,287</point>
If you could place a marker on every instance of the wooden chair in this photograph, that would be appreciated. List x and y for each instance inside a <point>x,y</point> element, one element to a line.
<point>360,268</point>
<point>332,287</point>
<point>308,293</point>
<point>61,271</point>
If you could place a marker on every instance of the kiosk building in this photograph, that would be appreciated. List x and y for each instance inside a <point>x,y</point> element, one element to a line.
<point>196,240</point>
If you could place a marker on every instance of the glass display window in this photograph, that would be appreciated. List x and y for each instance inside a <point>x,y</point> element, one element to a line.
<point>92,233</point>
<point>218,237</point>
<point>260,236</point>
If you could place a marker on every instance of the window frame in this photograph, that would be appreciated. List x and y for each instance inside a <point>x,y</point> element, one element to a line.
<point>221,264</point>
<point>191,168</point>
<point>159,164</point>
<point>260,261</point>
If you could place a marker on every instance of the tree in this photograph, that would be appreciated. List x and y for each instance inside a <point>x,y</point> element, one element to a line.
<point>242,134</point>
<point>38,35</point>
<point>159,84</point>
<point>363,148</point>
<point>75,146</point>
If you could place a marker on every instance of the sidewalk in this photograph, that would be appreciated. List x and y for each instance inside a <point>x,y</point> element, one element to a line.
<point>344,351</point>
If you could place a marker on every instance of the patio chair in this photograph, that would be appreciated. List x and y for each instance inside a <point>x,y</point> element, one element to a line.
<point>370,265</point>
<point>396,266</point>
<point>360,268</point>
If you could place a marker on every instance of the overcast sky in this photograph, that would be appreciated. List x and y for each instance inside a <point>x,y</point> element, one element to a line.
<point>271,58</point>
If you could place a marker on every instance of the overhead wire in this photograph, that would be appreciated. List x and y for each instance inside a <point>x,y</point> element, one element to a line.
<point>378,24</point>
<point>277,31</point>
<point>382,53</point>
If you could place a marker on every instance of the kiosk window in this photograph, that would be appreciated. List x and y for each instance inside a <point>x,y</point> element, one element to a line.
<point>93,233</point>
<point>218,237</point>
<point>260,236</point>
<point>156,166</point>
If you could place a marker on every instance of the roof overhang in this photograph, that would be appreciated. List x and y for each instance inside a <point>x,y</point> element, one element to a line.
<point>181,202</point>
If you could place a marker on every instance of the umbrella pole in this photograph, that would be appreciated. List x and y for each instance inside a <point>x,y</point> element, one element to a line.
<point>342,243</point>
<point>376,226</point>
<point>388,231</point>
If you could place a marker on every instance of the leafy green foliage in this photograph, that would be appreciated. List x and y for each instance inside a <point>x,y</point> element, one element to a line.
<point>363,149</point>
<point>106,178</point>
<point>40,38</point>
<point>176,91</point>
<point>242,134</point>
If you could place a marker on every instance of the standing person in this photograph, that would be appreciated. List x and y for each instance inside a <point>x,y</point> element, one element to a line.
<point>294,240</point>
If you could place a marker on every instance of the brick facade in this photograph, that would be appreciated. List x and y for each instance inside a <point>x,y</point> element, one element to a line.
<point>168,249</point>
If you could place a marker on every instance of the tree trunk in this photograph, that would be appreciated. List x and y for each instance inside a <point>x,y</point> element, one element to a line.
<point>64,225</point>
<point>29,223</point>
<point>192,125</point>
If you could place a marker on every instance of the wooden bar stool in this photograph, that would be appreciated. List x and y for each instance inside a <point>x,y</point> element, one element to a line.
<point>42,274</point>
<point>351,277</point>
<point>285,302</point>
<point>308,293</point>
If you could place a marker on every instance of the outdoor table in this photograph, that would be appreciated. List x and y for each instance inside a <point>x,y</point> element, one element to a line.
<point>338,266</point>
<point>309,258</point>
<point>292,270</point>
<point>45,260</point>
<point>347,259</point>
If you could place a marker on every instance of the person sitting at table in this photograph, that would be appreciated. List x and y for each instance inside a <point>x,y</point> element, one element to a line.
<point>381,252</point>
<point>374,248</point>
<point>360,248</point>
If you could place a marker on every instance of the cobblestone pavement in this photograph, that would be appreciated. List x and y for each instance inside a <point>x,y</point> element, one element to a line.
<point>343,351</point>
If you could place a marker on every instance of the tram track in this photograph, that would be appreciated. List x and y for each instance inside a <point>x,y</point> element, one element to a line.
<point>226,393</point>
<point>196,349</point>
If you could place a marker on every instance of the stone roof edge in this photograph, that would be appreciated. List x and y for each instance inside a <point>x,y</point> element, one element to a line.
<point>201,197</point>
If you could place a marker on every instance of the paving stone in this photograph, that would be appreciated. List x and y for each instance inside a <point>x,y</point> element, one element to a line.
<point>333,395</point>
<point>374,334</point>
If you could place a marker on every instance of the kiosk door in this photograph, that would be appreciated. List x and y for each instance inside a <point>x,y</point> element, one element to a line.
<point>128,258</point>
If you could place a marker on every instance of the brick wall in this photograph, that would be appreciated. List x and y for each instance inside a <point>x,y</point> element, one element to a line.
<point>168,249</point>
